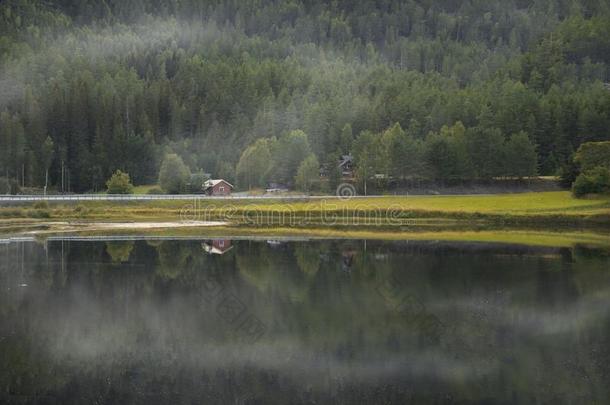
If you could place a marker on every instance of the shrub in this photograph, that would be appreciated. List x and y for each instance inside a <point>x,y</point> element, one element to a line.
<point>155,190</point>
<point>196,181</point>
<point>39,214</point>
<point>13,213</point>
<point>119,183</point>
<point>41,205</point>
<point>81,210</point>
<point>594,181</point>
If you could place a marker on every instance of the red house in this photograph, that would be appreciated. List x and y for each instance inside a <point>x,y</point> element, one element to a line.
<point>217,187</point>
<point>217,246</point>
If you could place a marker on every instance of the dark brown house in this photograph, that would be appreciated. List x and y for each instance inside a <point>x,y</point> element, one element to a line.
<point>346,165</point>
<point>217,187</point>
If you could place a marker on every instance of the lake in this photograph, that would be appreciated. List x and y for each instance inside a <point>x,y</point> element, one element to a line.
<point>156,320</point>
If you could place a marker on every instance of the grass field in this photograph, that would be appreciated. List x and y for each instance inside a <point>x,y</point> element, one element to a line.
<point>144,189</point>
<point>547,203</point>
<point>544,208</point>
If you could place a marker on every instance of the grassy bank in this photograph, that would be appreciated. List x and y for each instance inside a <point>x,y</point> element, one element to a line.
<point>524,209</point>
<point>517,236</point>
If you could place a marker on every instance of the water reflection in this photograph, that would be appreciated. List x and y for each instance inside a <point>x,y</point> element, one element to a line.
<point>247,321</point>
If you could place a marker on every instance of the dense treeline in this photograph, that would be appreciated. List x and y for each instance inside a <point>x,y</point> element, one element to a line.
<point>89,87</point>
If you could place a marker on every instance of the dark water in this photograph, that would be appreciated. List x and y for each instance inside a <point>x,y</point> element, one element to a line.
<point>248,322</point>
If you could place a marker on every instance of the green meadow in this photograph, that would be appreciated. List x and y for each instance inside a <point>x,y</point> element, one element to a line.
<point>544,209</point>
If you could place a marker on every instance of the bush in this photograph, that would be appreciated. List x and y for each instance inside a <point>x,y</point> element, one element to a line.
<point>594,181</point>
<point>196,182</point>
<point>13,213</point>
<point>119,183</point>
<point>155,190</point>
<point>39,214</point>
<point>41,205</point>
<point>81,210</point>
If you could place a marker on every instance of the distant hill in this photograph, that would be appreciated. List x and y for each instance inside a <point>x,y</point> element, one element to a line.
<point>88,87</point>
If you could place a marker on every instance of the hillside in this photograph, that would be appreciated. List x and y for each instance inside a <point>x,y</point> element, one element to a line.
<point>432,89</point>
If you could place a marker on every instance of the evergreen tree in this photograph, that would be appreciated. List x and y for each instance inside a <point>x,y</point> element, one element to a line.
<point>308,174</point>
<point>521,158</point>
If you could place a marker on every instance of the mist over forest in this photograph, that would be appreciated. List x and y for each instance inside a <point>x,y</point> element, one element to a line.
<point>249,90</point>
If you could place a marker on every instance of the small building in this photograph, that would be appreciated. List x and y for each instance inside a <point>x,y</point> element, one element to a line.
<point>217,246</point>
<point>346,165</point>
<point>276,188</point>
<point>217,187</point>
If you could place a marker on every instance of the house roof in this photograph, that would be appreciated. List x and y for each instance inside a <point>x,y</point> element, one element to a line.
<point>212,183</point>
<point>345,159</point>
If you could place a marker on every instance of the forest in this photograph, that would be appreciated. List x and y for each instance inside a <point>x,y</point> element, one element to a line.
<point>255,91</point>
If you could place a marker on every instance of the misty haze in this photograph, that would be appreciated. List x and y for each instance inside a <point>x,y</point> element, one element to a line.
<point>301,201</point>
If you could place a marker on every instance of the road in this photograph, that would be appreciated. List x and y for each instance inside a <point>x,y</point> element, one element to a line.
<point>146,197</point>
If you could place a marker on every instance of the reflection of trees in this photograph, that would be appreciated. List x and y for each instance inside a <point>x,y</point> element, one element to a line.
<point>493,306</point>
<point>272,271</point>
<point>119,251</point>
<point>173,257</point>
<point>308,257</point>
<point>25,370</point>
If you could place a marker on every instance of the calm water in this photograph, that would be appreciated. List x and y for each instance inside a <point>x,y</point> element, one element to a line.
<point>220,321</point>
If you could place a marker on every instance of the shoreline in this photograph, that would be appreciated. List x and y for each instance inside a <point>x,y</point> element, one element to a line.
<point>527,237</point>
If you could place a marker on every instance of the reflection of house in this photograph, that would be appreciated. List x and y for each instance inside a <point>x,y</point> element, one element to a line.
<point>217,187</point>
<point>347,258</point>
<point>217,246</point>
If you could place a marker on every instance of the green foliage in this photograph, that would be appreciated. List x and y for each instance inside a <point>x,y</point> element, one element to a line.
<point>119,183</point>
<point>173,175</point>
<point>366,158</point>
<point>254,165</point>
<point>485,148</point>
<point>260,69</point>
<point>41,205</point>
<point>593,154</point>
<point>346,139</point>
<point>195,183</point>
<point>594,181</point>
<point>402,153</point>
<point>119,252</point>
<point>335,174</point>
<point>226,171</point>
<point>287,154</point>
<point>39,213</point>
<point>568,173</point>
<point>444,156</point>
<point>308,174</point>
<point>155,191</point>
<point>521,159</point>
<point>6,187</point>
